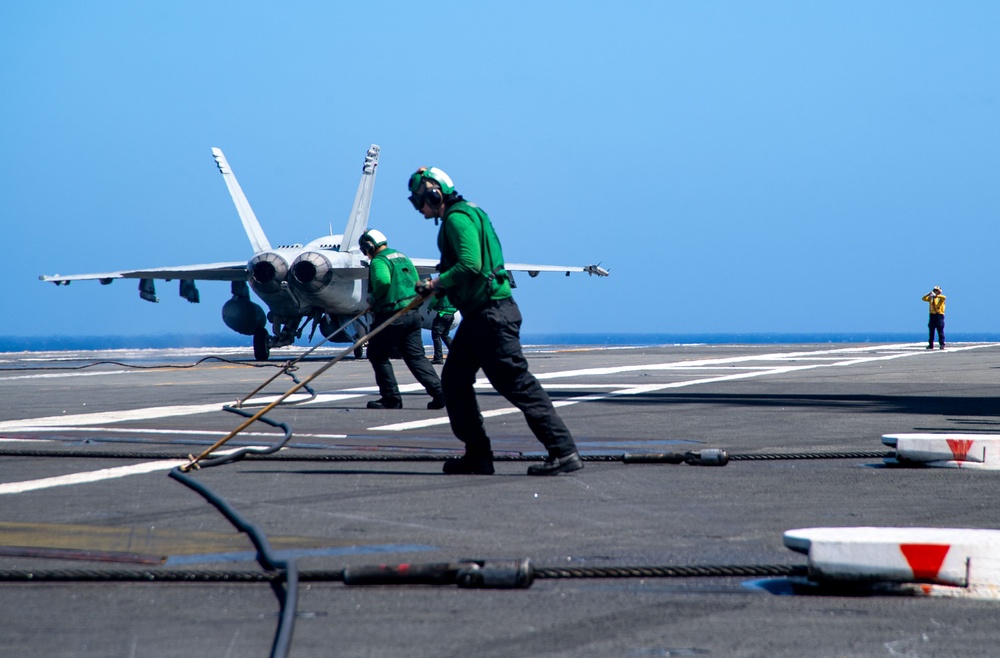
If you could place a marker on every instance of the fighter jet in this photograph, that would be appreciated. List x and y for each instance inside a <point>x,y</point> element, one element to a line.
<point>324,282</point>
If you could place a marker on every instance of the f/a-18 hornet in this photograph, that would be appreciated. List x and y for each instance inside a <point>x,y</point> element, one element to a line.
<point>324,282</point>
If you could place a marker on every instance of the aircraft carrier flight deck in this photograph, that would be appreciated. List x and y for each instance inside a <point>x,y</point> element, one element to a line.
<point>653,549</point>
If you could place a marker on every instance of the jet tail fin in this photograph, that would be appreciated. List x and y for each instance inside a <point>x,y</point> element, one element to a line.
<point>250,224</point>
<point>357,223</point>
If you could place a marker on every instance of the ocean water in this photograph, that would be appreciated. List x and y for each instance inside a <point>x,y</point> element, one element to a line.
<point>59,343</point>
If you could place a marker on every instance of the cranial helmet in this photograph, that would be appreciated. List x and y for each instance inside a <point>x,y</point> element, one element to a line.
<point>418,195</point>
<point>372,240</point>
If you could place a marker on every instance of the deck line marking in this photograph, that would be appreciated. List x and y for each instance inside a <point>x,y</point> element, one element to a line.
<point>89,476</point>
<point>774,356</point>
<point>150,413</point>
<point>123,430</point>
<point>632,390</point>
<point>99,475</point>
<point>648,388</point>
<point>147,413</point>
<point>61,375</point>
<point>147,467</point>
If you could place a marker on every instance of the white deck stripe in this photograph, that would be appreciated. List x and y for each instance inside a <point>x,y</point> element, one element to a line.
<point>89,476</point>
<point>122,430</point>
<point>63,375</point>
<point>100,475</point>
<point>160,412</point>
<point>633,390</point>
<point>648,388</point>
<point>111,416</point>
<point>150,413</point>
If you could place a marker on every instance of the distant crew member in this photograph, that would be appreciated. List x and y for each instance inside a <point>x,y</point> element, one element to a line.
<point>444,317</point>
<point>488,338</point>
<point>936,321</point>
<point>391,281</point>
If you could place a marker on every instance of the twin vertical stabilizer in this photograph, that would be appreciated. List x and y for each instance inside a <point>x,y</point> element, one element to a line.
<point>357,223</point>
<point>250,224</point>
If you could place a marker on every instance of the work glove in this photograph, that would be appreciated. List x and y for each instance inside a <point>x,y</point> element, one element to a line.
<point>425,288</point>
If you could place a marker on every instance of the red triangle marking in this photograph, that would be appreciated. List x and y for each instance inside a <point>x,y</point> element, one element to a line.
<point>960,448</point>
<point>925,559</point>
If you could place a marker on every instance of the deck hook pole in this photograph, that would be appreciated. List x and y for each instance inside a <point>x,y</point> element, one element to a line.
<point>284,369</point>
<point>417,301</point>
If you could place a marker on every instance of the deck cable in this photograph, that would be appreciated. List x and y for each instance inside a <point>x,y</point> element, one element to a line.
<point>422,457</point>
<point>320,575</point>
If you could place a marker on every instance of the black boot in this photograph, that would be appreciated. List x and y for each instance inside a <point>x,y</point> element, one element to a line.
<point>386,403</point>
<point>476,464</point>
<point>557,465</point>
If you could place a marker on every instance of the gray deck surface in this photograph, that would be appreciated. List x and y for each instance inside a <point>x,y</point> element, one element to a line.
<point>758,399</point>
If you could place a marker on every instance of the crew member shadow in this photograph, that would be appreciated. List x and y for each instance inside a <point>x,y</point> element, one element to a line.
<point>936,405</point>
<point>372,471</point>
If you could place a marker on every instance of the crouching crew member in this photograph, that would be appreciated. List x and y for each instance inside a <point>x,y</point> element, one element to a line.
<point>488,338</point>
<point>391,281</point>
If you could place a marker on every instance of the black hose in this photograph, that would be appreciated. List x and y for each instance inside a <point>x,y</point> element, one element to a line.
<point>265,556</point>
<point>134,366</point>
<point>245,452</point>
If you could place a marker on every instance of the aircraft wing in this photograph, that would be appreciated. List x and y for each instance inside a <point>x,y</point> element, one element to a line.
<point>207,272</point>
<point>425,266</point>
<point>533,270</point>
<point>429,266</point>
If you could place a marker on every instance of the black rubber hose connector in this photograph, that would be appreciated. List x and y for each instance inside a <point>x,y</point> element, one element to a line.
<point>707,457</point>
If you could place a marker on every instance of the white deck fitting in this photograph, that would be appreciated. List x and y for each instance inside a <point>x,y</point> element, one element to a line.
<point>975,451</point>
<point>953,562</point>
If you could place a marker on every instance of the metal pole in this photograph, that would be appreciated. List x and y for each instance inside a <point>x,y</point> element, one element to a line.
<point>239,402</point>
<point>417,301</point>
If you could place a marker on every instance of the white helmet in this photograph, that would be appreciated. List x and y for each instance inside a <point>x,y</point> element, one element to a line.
<point>371,241</point>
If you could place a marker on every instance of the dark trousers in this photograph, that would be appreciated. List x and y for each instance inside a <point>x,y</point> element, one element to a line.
<point>440,327</point>
<point>489,339</point>
<point>936,322</point>
<point>404,334</point>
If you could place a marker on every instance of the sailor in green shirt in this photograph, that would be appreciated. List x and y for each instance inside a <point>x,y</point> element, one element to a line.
<point>473,277</point>
<point>444,317</point>
<point>391,281</point>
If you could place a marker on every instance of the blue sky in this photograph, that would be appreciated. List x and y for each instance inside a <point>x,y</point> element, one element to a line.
<point>739,166</point>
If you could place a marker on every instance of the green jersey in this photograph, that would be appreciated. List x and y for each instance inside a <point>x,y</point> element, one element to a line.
<point>443,306</point>
<point>391,281</point>
<point>471,257</point>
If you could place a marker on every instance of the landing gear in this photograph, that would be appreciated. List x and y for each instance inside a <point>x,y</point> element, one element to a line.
<point>261,345</point>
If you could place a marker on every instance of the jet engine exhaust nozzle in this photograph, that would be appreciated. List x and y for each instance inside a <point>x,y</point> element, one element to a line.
<point>267,271</point>
<point>312,272</point>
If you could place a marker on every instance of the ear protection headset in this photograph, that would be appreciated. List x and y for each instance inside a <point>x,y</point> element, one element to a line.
<point>432,195</point>
<point>370,241</point>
